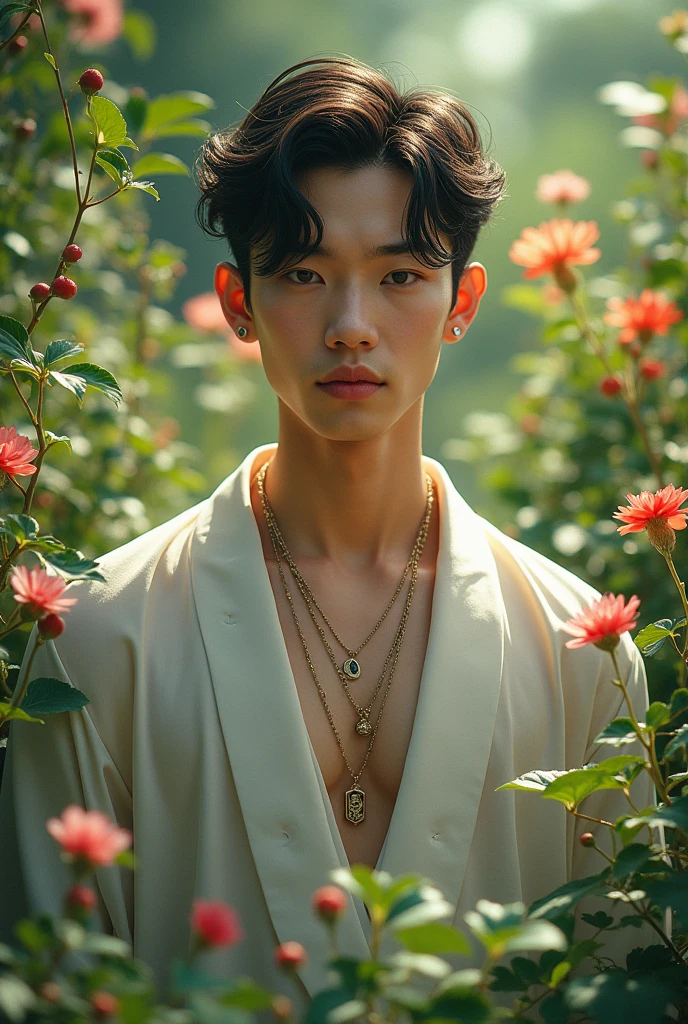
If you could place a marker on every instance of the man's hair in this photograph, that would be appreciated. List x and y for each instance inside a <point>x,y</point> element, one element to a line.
<point>338,112</point>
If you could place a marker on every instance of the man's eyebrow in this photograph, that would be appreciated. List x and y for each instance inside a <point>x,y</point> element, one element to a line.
<point>396,248</point>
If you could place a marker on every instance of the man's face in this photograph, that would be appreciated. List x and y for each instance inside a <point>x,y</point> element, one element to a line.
<point>348,304</point>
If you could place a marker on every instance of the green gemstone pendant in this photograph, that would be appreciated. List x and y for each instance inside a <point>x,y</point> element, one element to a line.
<point>351,668</point>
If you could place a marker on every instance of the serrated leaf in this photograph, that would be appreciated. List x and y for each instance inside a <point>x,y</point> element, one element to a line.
<point>110,126</point>
<point>657,714</point>
<point>14,341</point>
<point>573,787</point>
<point>159,163</point>
<point>650,639</point>
<point>10,9</point>
<point>674,816</point>
<point>57,350</point>
<point>618,732</point>
<point>679,701</point>
<point>79,376</point>
<point>567,895</point>
<point>535,781</point>
<point>615,997</point>
<point>115,165</point>
<point>19,526</point>
<point>72,565</point>
<point>45,696</point>
<point>632,858</point>
<point>145,186</point>
<point>678,743</point>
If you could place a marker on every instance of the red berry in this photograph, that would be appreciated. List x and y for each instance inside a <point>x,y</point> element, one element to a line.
<point>104,1003</point>
<point>91,81</point>
<point>71,253</point>
<point>23,130</point>
<point>291,956</point>
<point>18,45</point>
<point>587,839</point>
<point>651,369</point>
<point>610,386</point>
<point>329,902</point>
<point>40,291</point>
<point>81,896</point>
<point>63,287</point>
<point>51,626</point>
<point>50,991</point>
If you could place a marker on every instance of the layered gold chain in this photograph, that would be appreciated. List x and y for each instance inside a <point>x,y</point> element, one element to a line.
<point>354,804</point>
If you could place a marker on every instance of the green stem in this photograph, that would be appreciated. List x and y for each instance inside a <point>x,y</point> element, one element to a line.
<point>20,689</point>
<point>65,107</point>
<point>649,745</point>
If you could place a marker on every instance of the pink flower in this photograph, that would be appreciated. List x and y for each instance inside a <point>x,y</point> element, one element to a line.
<point>16,453</point>
<point>89,835</point>
<point>39,591</point>
<point>204,313</point>
<point>98,21</point>
<point>658,513</point>
<point>216,923</point>
<point>562,187</point>
<point>603,622</point>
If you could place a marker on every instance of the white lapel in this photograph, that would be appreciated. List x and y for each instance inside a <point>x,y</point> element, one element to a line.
<point>275,771</point>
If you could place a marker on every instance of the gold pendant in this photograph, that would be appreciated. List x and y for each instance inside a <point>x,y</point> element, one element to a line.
<point>354,805</point>
<point>351,668</point>
<point>363,727</point>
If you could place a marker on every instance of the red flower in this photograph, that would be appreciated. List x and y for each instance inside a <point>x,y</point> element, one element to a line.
<point>39,591</point>
<point>652,313</point>
<point>651,369</point>
<point>603,622</point>
<point>215,923</point>
<point>89,835</point>
<point>204,313</point>
<point>658,513</point>
<point>562,187</point>
<point>329,901</point>
<point>554,246</point>
<point>291,956</point>
<point>97,22</point>
<point>16,453</point>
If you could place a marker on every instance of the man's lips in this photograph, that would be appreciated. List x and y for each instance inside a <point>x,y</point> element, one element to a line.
<point>350,389</point>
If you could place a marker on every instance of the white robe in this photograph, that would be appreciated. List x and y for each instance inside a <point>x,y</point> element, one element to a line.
<point>195,740</point>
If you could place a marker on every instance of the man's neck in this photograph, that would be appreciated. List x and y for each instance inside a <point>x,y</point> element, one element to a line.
<point>355,505</point>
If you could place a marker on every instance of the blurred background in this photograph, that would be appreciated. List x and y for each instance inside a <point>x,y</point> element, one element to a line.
<point>528,70</point>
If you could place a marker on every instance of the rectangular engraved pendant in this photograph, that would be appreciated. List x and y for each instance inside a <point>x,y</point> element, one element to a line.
<point>354,806</point>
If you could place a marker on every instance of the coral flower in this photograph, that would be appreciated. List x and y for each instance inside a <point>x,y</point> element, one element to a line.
<point>204,313</point>
<point>16,453</point>
<point>652,313</point>
<point>553,246</point>
<point>603,622</point>
<point>97,22</point>
<point>89,835</point>
<point>39,591</point>
<point>215,923</point>
<point>562,187</point>
<point>658,513</point>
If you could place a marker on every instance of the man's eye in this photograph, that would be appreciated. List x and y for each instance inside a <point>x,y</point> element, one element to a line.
<point>301,270</point>
<point>403,273</point>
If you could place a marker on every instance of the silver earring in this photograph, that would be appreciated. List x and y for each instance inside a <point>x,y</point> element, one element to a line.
<point>457,331</point>
<point>242,332</point>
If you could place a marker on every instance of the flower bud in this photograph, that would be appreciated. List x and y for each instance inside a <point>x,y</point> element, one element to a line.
<point>610,386</point>
<point>329,902</point>
<point>565,278</point>
<point>51,626</point>
<point>72,253</point>
<point>91,81</point>
<point>291,956</point>
<point>40,291</point>
<point>587,839</point>
<point>661,535</point>
<point>81,897</point>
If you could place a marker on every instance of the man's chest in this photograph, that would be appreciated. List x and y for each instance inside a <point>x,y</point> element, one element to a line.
<point>391,706</point>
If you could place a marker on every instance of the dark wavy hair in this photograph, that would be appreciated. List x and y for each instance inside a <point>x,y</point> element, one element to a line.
<point>337,111</point>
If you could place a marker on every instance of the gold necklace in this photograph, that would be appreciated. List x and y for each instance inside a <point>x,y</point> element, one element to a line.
<point>354,798</point>
<point>352,666</point>
<point>362,726</point>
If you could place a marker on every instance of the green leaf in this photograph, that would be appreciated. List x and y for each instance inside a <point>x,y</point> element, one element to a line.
<point>177,106</point>
<point>675,816</point>
<point>650,639</point>
<point>567,895</point>
<point>619,731</point>
<point>57,350</point>
<point>72,565</point>
<point>16,998</point>
<point>462,1007</point>
<point>135,112</point>
<point>537,935</point>
<point>657,714</point>
<point>194,126</point>
<point>79,376</point>
<point>431,907</point>
<point>671,891</point>
<point>434,937</point>
<point>679,702</point>
<point>679,742</point>
<point>246,995</point>
<point>598,920</point>
<point>573,787</point>
<point>105,945</point>
<point>615,997</point>
<point>145,186</point>
<point>632,858</point>
<point>111,128</point>
<point>19,527</point>
<point>115,164</point>
<point>159,163</point>
<point>7,713</point>
<point>527,298</point>
<point>422,963</point>
<point>14,341</point>
<point>57,439</point>
<point>10,9</point>
<point>45,696</point>
<point>51,60</point>
<point>534,782</point>
<point>140,32</point>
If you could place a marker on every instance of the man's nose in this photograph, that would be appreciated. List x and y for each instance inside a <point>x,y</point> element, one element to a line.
<point>352,322</point>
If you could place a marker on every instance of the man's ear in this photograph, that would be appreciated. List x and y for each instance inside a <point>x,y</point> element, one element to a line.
<point>472,287</point>
<point>230,291</point>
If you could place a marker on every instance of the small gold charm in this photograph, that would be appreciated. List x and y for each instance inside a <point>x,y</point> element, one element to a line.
<point>363,727</point>
<point>354,806</point>
<point>351,668</point>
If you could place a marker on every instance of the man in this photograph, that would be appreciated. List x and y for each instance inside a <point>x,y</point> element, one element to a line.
<point>261,710</point>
